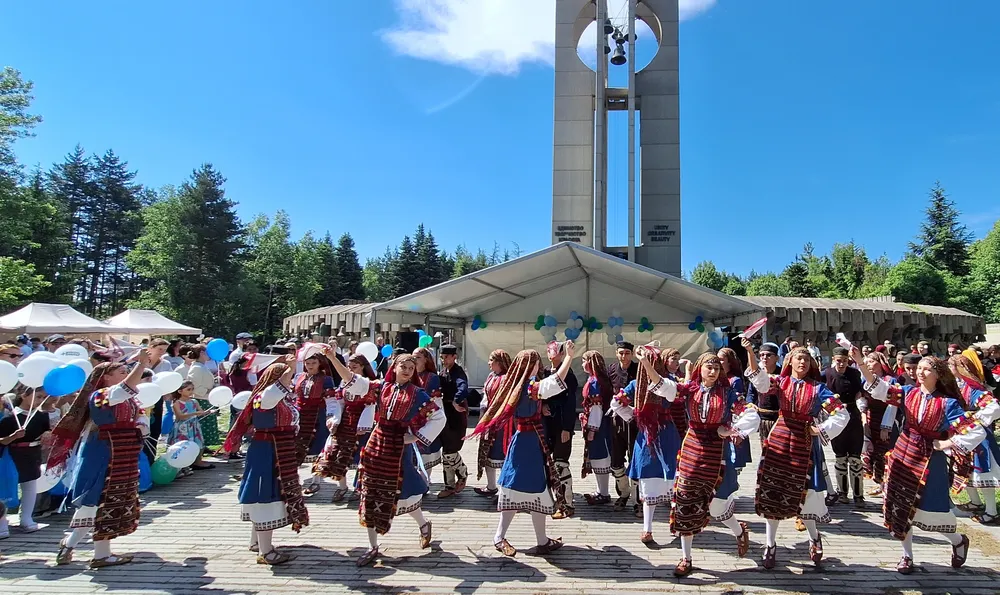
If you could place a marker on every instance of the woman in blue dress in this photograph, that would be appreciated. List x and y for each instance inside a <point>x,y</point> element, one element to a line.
<point>732,369</point>
<point>392,482</point>
<point>528,480</point>
<point>270,492</point>
<point>654,455</point>
<point>596,424</point>
<point>918,480</point>
<point>427,379</point>
<point>981,473</point>
<point>107,420</point>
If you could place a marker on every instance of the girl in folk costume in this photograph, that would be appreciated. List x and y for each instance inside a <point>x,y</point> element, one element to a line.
<point>315,390</point>
<point>270,492</point>
<point>654,455</point>
<point>108,421</point>
<point>391,481</point>
<point>980,468</point>
<point>673,360</point>
<point>349,415</point>
<point>493,445</point>
<point>21,436</point>
<point>427,379</point>
<point>880,425</point>
<point>917,476</point>
<point>528,479</point>
<point>596,424</point>
<point>732,369</point>
<point>706,484</point>
<point>790,479</point>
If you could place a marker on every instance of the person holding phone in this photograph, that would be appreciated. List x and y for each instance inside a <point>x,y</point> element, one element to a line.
<point>187,423</point>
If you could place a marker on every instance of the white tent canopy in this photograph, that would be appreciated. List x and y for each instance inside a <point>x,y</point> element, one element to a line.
<point>150,322</point>
<point>562,278</point>
<point>41,319</point>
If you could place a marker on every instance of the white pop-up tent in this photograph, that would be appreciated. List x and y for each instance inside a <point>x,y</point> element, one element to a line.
<point>150,322</point>
<point>42,319</point>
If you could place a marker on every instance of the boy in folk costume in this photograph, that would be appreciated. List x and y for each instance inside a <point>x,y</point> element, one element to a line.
<point>493,445</point>
<point>793,452</point>
<point>596,424</point>
<point>349,415</point>
<point>622,371</point>
<point>845,381</point>
<point>392,483</point>
<point>917,476</point>
<point>529,480</point>
<point>454,396</point>
<point>559,414</point>
<point>979,471</point>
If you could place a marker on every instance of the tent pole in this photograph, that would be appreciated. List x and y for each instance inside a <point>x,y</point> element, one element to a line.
<point>586,340</point>
<point>371,325</point>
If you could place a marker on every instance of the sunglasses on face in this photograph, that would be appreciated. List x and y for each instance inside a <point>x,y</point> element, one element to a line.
<point>17,355</point>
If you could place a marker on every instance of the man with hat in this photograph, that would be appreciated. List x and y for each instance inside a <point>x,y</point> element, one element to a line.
<point>53,342</point>
<point>560,420</point>
<point>847,383</point>
<point>454,394</point>
<point>24,344</point>
<point>622,371</point>
<point>241,346</point>
<point>767,404</point>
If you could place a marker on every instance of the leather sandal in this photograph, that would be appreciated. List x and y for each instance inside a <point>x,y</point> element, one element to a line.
<point>743,541</point>
<point>683,568</point>
<point>459,486</point>
<point>550,546</point>
<point>311,489</point>
<point>111,560</point>
<point>984,518</point>
<point>972,508</point>
<point>273,558</point>
<point>338,495</point>
<point>564,513</point>
<point>486,492</point>
<point>956,560</point>
<point>596,499</point>
<point>647,538</point>
<point>504,547</point>
<point>876,491</point>
<point>816,550</point>
<point>65,555</point>
<point>254,548</point>
<point>905,565</point>
<point>425,535</point>
<point>446,493</point>
<point>770,557</point>
<point>368,557</point>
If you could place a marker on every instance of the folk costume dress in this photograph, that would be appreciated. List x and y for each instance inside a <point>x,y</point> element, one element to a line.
<point>790,478</point>
<point>917,476</point>
<point>706,481</point>
<point>313,394</point>
<point>528,479</point>
<point>493,444</point>
<point>105,487</point>
<point>431,454</point>
<point>984,471</point>
<point>596,417</point>
<point>741,451</point>
<point>353,413</point>
<point>270,493</point>
<point>879,416</point>
<point>392,483</point>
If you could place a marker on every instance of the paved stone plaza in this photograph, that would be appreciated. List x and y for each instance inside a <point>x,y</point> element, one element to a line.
<point>191,539</point>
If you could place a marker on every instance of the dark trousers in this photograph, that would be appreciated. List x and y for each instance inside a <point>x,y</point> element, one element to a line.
<point>622,441</point>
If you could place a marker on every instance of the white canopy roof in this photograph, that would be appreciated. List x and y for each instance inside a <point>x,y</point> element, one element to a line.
<point>563,278</point>
<point>40,319</point>
<point>150,322</point>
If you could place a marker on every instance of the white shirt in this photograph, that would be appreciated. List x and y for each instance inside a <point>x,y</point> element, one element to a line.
<point>203,380</point>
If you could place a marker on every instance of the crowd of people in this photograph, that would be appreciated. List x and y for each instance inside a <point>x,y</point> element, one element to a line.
<point>668,431</point>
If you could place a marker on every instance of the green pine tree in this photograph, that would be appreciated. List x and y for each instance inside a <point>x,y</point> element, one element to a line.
<point>352,285</point>
<point>943,241</point>
<point>329,273</point>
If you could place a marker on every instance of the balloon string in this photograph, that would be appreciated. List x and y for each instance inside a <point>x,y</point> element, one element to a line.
<point>16,420</point>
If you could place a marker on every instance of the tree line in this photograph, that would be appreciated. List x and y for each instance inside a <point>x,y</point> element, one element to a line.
<point>86,232</point>
<point>943,266</point>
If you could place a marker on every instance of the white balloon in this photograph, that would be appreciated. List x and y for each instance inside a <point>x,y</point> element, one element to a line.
<point>578,323</point>
<point>47,481</point>
<point>149,394</point>
<point>240,400</point>
<point>368,349</point>
<point>31,372</point>
<point>182,454</point>
<point>616,313</point>
<point>83,364</point>
<point>220,396</point>
<point>168,381</point>
<point>8,376</point>
<point>72,351</point>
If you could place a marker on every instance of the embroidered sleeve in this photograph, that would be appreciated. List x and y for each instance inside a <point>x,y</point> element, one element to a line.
<point>745,419</point>
<point>334,410</point>
<point>591,421</point>
<point>551,386</point>
<point>119,394</point>
<point>760,380</point>
<point>367,420</point>
<point>987,408</point>
<point>355,386</point>
<point>837,414</point>
<point>889,417</point>
<point>621,405</point>
<point>665,388</point>
<point>965,432</point>
<point>427,423</point>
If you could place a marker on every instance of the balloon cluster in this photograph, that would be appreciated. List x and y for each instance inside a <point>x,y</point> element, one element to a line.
<point>718,339</point>
<point>424,340</point>
<point>478,322</point>
<point>60,373</point>
<point>645,325</point>
<point>614,328</point>
<point>546,324</point>
<point>575,325</point>
<point>697,325</point>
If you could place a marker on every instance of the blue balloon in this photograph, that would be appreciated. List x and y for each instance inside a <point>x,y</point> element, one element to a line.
<point>573,315</point>
<point>692,326</point>
<point>475,324</point>
<point>217,349</point>
<point>64,380</point>
<point>550,321</point>
<point>421,333</point>
<point>698,319</point>
<point>386,351</point>
<point>619,338</point>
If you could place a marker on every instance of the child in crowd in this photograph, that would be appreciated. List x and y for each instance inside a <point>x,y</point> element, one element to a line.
<point>21,434</point>
<point>186,426</point>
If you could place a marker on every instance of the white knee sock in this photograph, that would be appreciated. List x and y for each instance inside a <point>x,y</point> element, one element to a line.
<point>908,544</point>
<point>102,549</point>
<point>812,529</point>
<point>974,498</point>
<point>686,542</point>
<point>506,517</point>
<point>770,532</point>
<point>491,478</point>
<point>538,522</point>
<point>264,542</point>
<point>647,517</point>
<point>603,484</point>
<point>29,491</point>
<point>253,536</point>
<point>418,515</point>
<point>733,525</point>
<point>372,538</point>
<point>74,537</point>
<point>342,483</point>
<point>990,500</point>
<point>954,538</point>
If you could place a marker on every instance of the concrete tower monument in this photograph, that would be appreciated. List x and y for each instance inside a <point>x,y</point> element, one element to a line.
<point>580,152</point>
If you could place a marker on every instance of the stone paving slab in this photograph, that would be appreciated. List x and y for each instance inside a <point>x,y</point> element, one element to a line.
<point>192,541</point>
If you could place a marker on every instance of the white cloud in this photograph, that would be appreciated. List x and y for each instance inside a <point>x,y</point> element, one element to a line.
<point>488,36</point>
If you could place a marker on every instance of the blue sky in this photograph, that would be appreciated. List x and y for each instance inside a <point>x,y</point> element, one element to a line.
<point>830,120</point>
